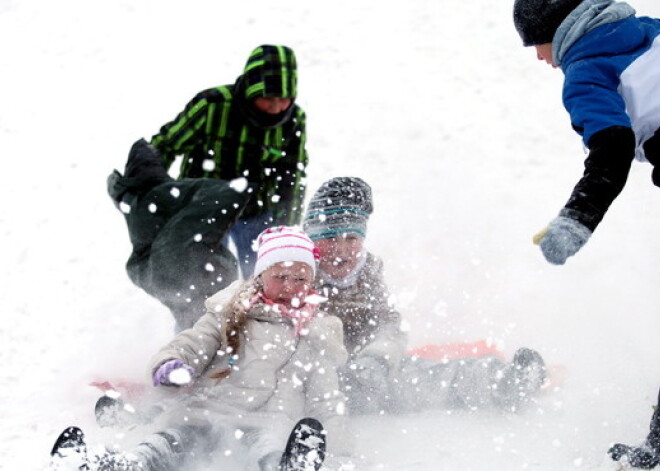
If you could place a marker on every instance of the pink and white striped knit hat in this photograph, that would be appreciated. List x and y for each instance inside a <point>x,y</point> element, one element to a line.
<point>284,244</point>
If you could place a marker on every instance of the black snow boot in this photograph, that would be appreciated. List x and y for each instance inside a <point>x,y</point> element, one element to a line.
<point>305,449</point>
<point>530,370</point>
<point>144,162</point>
<point>641,457</point>
<point>70,451</point>
<point>646,456</point>
<point>520,380</point>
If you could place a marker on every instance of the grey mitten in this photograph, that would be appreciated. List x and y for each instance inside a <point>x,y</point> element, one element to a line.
<point>562,239</point>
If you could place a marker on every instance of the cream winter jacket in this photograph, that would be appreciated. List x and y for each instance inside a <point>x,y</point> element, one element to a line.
<point>274,371</point>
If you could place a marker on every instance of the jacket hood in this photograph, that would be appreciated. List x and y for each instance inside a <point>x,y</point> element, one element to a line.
<point>588,16</point>
<point>630,37</point>
<point>271,71</point>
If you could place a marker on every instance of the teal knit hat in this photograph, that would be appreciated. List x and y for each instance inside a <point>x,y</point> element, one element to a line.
<point>271,72</point>
<point>341,206</point>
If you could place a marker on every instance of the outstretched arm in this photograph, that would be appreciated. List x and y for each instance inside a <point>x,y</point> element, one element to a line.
<point>185,131</point>
<point>605,173</point>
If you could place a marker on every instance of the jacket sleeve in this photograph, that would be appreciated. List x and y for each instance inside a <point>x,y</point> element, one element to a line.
<point>388,341</point>
<point>605,173</point>
<point>592,99</point>
<point>292,172</point>
<point>196,347</point>
<point>182,134</point>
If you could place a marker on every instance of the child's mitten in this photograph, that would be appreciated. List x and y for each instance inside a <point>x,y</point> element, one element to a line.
<point>561,239</point>
<point>173,373</point>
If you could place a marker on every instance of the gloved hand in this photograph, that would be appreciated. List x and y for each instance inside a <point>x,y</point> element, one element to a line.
<point>144,162</point>
<point>173,373</point>
<point>561,239</point>
<point>370,372</point>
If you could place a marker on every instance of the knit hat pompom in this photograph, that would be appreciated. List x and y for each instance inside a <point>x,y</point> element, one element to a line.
<point>340,206</point>
<point>284,244</point>
<point>537,20</point>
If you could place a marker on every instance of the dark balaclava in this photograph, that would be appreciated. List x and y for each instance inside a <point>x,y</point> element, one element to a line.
<point>340,206</point>
<point>270,71</point>
<point>538,20</point>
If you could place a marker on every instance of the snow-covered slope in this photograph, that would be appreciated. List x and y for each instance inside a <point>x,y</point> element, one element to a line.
<point>459,130</point>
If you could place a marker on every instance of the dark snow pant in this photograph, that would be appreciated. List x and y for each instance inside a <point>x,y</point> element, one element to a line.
<point>653,438</point>
<point>176,228</point>
<point>199,444</point>
<point>652,152</point>
<point>174,448</point>
<point>465,383</point>
<point>243,234</point>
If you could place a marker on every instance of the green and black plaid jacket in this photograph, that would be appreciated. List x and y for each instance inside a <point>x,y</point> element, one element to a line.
<point>220,135</point>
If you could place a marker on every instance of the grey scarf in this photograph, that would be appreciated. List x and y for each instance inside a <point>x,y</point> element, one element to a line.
<point>348,280</point>
<point>589,15</point>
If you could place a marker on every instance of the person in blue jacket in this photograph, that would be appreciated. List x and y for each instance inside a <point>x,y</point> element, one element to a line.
<point>611,64</point>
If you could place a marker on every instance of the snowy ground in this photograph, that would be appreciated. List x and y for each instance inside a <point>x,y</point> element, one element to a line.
<point>459,130</point>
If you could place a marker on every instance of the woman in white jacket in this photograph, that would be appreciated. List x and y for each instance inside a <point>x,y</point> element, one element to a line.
<point>258,363</point>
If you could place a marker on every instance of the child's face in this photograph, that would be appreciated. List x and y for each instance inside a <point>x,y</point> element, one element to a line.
<point>287,283</point>
<point>339,255</point>
<point>544,53</point>
<point>272,105</point>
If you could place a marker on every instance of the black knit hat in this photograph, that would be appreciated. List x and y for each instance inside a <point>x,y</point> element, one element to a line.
<point>340,206</point>
<point>538,20</point>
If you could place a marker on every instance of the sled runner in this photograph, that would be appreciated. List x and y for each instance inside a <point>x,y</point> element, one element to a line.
<point>127,402</point>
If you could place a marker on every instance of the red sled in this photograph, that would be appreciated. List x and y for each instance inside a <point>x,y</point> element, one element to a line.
<point>126,389</point>
<point>555,374</point>
<point>451,351</point>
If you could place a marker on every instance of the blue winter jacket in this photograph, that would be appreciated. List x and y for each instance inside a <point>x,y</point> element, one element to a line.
<point>612,93</point>
<point>612,78</point>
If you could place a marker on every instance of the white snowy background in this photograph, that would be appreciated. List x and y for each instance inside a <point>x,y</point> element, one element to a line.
<point>457,127</point>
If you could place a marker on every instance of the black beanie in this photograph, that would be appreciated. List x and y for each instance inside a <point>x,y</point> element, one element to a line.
<point>538,20</point>
<point>340,206</point>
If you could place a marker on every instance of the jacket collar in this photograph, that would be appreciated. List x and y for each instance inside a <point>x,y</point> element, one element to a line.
<point>586,17</point>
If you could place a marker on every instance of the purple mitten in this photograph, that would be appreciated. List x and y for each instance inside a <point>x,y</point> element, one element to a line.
<point>182,373</point>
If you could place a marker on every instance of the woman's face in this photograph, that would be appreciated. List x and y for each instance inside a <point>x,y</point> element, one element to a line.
<point>339,255</point>
<point>287,283</point>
